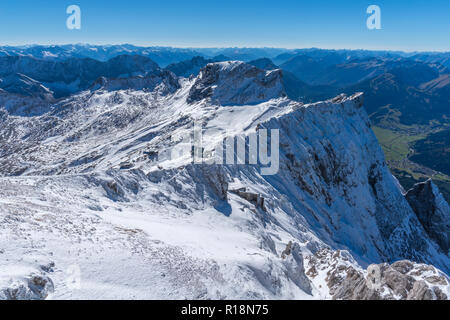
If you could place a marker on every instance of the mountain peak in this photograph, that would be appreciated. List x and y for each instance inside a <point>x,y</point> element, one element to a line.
<point>235,82</point>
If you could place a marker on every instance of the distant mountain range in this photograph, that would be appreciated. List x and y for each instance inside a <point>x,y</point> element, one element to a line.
<point>161,55</point>
<point>167,55</point>
<point>414,84</point>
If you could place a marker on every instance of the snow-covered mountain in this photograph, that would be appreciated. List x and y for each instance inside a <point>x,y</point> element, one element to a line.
<point>69,76</point>
<point>91,208</point>
<point>234,82</point>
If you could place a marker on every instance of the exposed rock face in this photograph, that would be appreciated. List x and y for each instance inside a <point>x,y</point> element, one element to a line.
<point>295,269</point>
<point>327,270</point>
<point>217,179</point>
<point>432,211</point>
<point>287,251</point>
<point>402,280</point>
<point>35,287</point>
<point>252,197</point>
<point>235,82</point>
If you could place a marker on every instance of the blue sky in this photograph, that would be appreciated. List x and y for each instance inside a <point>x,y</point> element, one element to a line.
<point>406,25</point>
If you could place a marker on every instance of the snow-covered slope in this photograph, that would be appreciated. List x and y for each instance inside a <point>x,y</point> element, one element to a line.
<point>88,194</point>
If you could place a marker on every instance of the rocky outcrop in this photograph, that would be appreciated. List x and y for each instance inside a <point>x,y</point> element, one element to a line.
<point>216,178</point>
<point>432,211</point>
<point>295,269</point>
<point>287,251</point>
<point>34,287</point>
<point>401,280</point>
<point>251,197</point>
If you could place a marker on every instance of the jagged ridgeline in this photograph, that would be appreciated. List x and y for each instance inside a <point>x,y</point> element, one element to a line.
<point>84,191</point>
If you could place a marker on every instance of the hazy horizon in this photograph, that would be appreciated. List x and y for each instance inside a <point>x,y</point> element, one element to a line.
<point>212,48</point>
<point>409,26</point>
